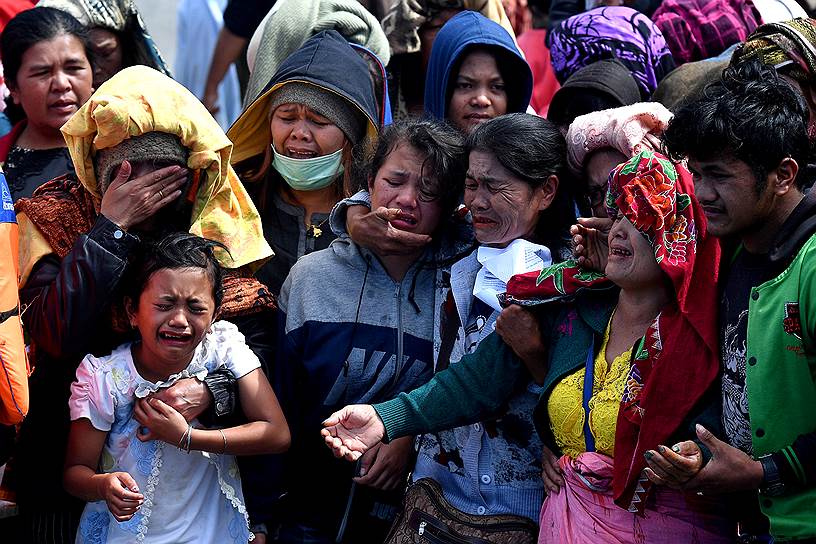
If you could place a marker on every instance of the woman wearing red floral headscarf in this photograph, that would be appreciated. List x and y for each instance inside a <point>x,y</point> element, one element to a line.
<point>632,364</point>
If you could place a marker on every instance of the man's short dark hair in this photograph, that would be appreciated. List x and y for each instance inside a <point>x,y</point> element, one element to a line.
<point>752,114</point>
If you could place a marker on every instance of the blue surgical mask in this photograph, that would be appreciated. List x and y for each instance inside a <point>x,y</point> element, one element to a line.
<point>309,174</point>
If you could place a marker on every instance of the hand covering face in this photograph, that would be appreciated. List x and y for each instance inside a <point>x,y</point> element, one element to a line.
<point>138,100</point>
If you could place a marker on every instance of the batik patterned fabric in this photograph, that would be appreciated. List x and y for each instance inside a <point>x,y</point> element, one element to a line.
<point>791,43</point>
<point>612,32</point>
<point>700,29</point>
<point>680,346</point>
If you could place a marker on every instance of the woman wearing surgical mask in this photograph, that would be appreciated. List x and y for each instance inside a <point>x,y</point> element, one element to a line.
<point>293,146</point>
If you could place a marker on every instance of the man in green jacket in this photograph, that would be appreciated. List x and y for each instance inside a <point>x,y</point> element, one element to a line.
<point>746,141</point>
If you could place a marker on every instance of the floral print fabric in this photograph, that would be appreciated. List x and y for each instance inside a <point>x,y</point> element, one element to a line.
<point>680,346</point>
<point>645,189</point>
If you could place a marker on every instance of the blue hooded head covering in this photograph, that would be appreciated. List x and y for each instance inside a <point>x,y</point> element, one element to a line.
<point>466,31</point>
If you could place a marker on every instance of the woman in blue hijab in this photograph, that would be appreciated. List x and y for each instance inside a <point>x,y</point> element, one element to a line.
<point>475,73</point>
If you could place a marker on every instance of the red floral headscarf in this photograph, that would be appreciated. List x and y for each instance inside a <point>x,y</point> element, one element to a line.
<point>678,359</point>
<point>654,195</point>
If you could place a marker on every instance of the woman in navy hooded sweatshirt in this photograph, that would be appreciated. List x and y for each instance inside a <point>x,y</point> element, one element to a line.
<point>475,73</point>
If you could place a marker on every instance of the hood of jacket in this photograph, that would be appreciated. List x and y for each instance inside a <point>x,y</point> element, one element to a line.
<point>796,230</point>
<point>326,61</point>
<point>463,32</point>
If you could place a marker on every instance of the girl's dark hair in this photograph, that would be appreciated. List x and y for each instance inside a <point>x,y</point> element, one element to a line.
<point>533,149</point>
<point>31,27</point>
<point>173,251</point>
<point>442,174</point>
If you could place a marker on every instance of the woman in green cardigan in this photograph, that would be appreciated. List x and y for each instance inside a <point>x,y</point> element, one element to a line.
<point>647,353</point>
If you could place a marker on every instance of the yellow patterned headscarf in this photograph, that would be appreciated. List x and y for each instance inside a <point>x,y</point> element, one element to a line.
<point>138,100</point>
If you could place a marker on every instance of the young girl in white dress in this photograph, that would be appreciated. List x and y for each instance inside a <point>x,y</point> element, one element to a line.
<point>147,474</point>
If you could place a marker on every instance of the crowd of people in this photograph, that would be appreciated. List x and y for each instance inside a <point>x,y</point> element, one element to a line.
<point>398,271</point>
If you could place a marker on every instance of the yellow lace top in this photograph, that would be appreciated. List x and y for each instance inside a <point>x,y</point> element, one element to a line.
<point>566,410</point>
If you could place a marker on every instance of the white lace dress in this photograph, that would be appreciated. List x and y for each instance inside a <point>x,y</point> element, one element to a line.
<point>193,497</point>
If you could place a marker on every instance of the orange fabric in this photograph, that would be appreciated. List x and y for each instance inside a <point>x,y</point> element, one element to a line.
<point>14,369</point>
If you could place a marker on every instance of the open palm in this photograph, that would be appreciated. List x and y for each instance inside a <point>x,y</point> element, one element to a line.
<point>350,432</point>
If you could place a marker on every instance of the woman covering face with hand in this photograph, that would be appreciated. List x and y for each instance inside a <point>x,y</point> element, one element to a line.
<point>149,159</point>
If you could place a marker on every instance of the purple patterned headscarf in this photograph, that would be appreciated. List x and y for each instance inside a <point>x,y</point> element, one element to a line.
<point>612,32</point>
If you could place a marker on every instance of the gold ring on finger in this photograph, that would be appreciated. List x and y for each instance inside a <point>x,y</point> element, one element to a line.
<point>161,194</point>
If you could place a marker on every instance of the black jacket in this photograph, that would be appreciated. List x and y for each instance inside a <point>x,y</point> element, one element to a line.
<point>66,312</point>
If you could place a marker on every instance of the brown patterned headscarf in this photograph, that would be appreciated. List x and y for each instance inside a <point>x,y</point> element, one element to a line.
<point>790,45</point>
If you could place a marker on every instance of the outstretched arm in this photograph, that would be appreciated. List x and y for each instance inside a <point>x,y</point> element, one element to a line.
<point>478,385</point>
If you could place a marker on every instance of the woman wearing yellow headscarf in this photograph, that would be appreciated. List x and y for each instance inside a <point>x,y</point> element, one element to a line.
<point>149,159</point>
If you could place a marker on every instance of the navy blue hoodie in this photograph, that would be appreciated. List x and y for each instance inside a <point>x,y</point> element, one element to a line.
<point>463,32</point>
<point>326,61</point>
